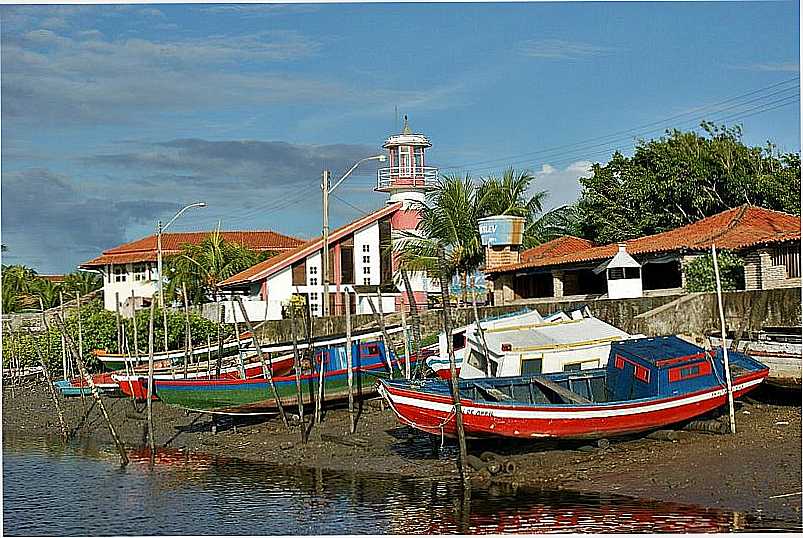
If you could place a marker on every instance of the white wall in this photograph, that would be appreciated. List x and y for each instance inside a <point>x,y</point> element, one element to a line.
<point>624,288</point>
<point>141,288</point>
<point>388,304</point>
<point>368,236</point>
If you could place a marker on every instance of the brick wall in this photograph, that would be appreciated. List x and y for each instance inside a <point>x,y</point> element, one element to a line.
<point>774,276</point>
<point>752,271</point>
<point>496,256</point>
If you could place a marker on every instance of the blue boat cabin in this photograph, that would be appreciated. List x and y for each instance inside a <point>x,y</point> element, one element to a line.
<point>362,354</point>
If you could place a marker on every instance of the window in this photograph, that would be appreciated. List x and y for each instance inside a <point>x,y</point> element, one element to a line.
<point>119,274</point>
<point>139,271</point>
<point>366,248</point>
<point>313,281</point>
<point>366,259</point>
<point>459,341</point>
<point>531,366</point>
<point>573,367</point>
<point>313,296</point>
<point>632,272</point>
<point>619,273</point>
<point>366,270</point>
<point>313,270</point>
<point>366,281</point>
<point>689,371</point>
<point>789,257</point>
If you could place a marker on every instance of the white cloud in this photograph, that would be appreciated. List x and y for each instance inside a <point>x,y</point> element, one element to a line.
<point>785,67</point>
<point>559,49</point>
<point>561,183</point>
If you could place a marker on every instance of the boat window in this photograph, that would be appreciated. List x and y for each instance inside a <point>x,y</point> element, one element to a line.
<point>573,367</point>
<point>531,366</point>
<point>619,362</point>
<point>369,350</point>
<point>641,373</point>
<point>458,341</point>
<point>689,371</point>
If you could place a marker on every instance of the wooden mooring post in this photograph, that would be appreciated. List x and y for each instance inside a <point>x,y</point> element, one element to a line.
<point>453,380</point>
<point>94,389</point>
<point>187,330</point>
<point>134,326</point>
<point>46,372</point>
<point>80,337</point>
<point>724,343</point>
<point>151,441</point>
<point>297,367</point>
<point>349,364</point>
<point>380,320</point>
<point>479,325</point>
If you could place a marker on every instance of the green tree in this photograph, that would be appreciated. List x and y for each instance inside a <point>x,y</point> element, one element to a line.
<point>83,282</point>
<point>200,267</point>
<point>683,177</point>
<point>700,272</point>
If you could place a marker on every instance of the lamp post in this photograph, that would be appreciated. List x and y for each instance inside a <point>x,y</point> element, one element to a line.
<point>159,230</point>
<point>327,190</point>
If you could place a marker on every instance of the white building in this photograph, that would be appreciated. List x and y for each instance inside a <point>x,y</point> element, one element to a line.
<point>129,270</point>
<point>359,261</point>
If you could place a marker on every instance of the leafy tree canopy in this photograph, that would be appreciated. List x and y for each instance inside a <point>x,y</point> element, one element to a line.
<point>23,288</point>
<point>700,272</point>
<point>683,177</point>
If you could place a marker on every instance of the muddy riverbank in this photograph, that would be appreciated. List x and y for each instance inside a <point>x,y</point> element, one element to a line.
<point>753,471</point>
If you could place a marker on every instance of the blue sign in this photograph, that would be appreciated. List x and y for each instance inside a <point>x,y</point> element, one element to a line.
<point>501,230</point>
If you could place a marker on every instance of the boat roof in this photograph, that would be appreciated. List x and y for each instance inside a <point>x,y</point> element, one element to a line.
<point>555,333</point>
<point>659,348</point>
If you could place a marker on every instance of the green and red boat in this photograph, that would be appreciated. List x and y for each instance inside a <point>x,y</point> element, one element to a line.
<point>254,396</point>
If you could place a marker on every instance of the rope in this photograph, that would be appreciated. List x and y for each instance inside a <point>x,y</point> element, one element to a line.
<point>414,424</point>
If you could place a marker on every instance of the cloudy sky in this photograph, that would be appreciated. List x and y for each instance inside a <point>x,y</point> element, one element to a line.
<point>115,116</point>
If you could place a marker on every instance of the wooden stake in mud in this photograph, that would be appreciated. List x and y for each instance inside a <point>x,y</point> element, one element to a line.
<point>480,330</point>
<point>164,319</point>
<point>381,322</point>
<point>221,309</point>
<point>80,337</point>
<point>95,394</point>
<point>724,346</point>
<point>151,442</point>
<point>415,319</point>
<point>453,381</point>
<point>349,365</point>
<point>64,367</point>
<point>406,336</point>
<point>297,366</point>
<point>187,330</point>
<point>117,321</point>
<point>267,367</point>
<point>134,323</point>
<point>46,371</point>
<point>240,361</point>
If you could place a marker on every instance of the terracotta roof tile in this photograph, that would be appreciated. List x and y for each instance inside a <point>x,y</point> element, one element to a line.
<point>566,244</point>
<point>279,262</point>
<point>144,249</point>
<point>734,229</point>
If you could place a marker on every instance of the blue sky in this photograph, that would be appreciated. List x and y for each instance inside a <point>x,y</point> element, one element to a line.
<point>115,116</point>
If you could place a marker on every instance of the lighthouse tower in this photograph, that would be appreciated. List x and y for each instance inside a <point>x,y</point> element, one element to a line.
<point>407,179</point>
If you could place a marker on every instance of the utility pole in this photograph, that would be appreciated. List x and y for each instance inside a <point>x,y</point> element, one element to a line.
<point>325,254</point>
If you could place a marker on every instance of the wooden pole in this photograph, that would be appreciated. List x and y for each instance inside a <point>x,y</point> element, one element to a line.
<point>349,365</point>
<point>117,321</point>
<point>151,442</point>
<point>297,365</point>
<point>453,381</point>
<point>267,369</point>
<point>46,371</point>
<point>80,338</point>
<point>221,309</point>
<point>381,321</point>
<point>129,367</point>
<point>406,336</point>
<point>480,330</point>
<point>188,328</point>
<point>95,394</point>
<point>64,367</point>
<point>163,304</point>
<point>724,347</point>
<point>134,323</point>
<point>415,319</point>
<point>208,354</point>
<point>239,345</point>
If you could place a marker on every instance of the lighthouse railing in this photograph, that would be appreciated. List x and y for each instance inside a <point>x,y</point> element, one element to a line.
<point>420,176</point>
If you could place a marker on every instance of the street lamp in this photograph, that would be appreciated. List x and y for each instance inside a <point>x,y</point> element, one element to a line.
<point>159,230</point>
<point>327,190</point>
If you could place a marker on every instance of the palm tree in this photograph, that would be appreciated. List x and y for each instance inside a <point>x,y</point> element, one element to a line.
<point>84,282</point>
<point>200,267</point>
<point>47,291</point>
<point>18,285</point>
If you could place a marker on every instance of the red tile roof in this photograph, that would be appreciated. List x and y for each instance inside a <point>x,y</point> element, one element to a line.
<point>566,244</point>
<point>143,250</point>
<point>734,229</point>
<point>270,266</point>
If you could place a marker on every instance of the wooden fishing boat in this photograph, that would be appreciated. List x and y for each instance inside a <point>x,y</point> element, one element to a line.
<point>254,396</point>
<point>136,385</point>
<point>648,383</point>
<point>525,343</point>
<point>117,361</point>
<point>77,385</point>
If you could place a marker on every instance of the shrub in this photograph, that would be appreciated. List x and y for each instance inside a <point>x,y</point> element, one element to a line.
<point>700,272</point>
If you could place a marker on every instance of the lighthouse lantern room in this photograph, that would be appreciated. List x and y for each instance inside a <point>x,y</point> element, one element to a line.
<point>407,177</point>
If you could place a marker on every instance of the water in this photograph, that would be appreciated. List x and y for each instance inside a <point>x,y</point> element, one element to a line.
<point>81,490</point>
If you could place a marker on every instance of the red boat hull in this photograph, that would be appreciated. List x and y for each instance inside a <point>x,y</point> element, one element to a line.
<point>433,413</point>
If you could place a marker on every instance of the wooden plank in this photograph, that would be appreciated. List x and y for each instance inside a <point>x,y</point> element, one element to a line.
<point>493,392</point>
<point>564,393</point>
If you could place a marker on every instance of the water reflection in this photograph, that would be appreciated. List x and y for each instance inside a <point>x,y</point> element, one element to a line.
<point>52,490</point>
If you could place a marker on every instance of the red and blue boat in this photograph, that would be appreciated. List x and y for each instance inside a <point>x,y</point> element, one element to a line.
<point>648,383</point>
<point>255,396</point>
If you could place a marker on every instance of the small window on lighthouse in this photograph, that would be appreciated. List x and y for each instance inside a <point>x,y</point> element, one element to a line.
<point>405,161</point>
